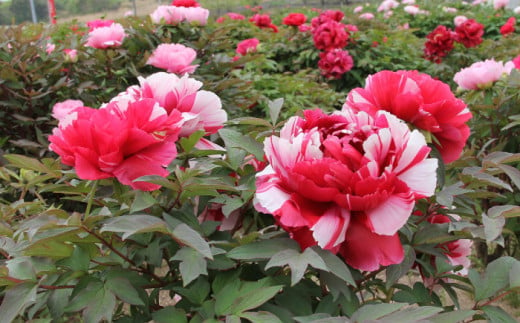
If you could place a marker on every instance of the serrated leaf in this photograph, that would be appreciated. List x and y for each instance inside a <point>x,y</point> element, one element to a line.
<point>184,234</point>
<point>275,107</point>
<point>132,224</point>
<point>375,311</point>
<point>123,289</point>
<point>170,314</point>
<point>192,264</point>
<point>263,249</point>
<point>16,299</point>
<point>297,261</point>
<point>335,265</point>
<point>497,315</point>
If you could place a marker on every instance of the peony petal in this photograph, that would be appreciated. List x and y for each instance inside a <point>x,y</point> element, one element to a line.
<point>392,214</point>
<point>330,229</point>
<point>422,178</point>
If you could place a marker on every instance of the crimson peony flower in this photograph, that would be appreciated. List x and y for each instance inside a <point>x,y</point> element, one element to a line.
<point>93,24</point>
<point>294,19</point>
<point>516,62</point>
<point>482,75</point>
<point>418,99</point>
<point>439,43</point>
<point>185,3</point>
<point>263,21</point>
<point>508,27</point>
<point>201,110</point>
<point>346,182</point>
<point>335,63</point>
<point>175,58</point>
<point>125,144</point>
<point>469,33</point>
<point>327,15</point>
<point>330,35</point>
<point>106,36</point>
<point>247,46</point>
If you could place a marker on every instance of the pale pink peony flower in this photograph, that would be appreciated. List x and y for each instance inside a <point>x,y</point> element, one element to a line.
<point>174,58</point>
<point>367,16</point>
<point>408,1</point>
<point>458,20</point>
<point>413,10</point>
<point>106,37</point>
<point>168,14</point>
<point>358,9</point>
<point>500,4</point>
<point>71,55</point>
<point>482,75</point>
<point>387,5</point>
<point>196,15</point>
<point>346,182</point>
<point>49,48</point>
<point>62,109</point>
<point>200,109</point>
<point>449,9</point>
<point>388,14</point>
<point>516,10</point>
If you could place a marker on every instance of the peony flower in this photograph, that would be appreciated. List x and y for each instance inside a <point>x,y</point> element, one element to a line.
<point>438,44</point>
<point>482,75</point>
<point>358,9</point>
<point>516,10</point>
<point>412,10</point>
<point>196,15</point>
<point>71,55</point>
<point>335,63</point>
<point>263,21</point>
<point>232,16</point>
<point>346,182</point>
<point>500,4</point>
<point>174,58</point>
<point>330,35</point>
<point>387,5</point>
<point>325,16</point>
<point>516,62</point>
<point>61,110</point>
<point>247,46</point>
<point>294,19</point>
<point>168,14</point>
<point>109,142</point>
<point>93,24</point>
<point>185,3</point>
<point>459,20</point>
<point>201,110</point>
<point>425,103</point>
<point>449,9</point>
<point>408,1</point>
<point>508,27</point>
<point>304,28</point>
<point>367,16</point>
<point>106,36</point>
<point>469,33</point>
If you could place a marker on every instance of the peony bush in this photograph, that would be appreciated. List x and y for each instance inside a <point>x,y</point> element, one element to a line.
<point>288,165</point>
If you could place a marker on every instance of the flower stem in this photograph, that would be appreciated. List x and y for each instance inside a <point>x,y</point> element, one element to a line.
<point>90,197</point>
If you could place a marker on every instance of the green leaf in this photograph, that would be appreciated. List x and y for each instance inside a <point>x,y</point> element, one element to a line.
<point>261,317</point>
<point>196,292</point>
<point>170,314</point>
<point>263,249</point>
<point>142,201</point>
<point>274,109</point>
<point>497,315</point>
<point>192,264</point>
<point>451,317</point>
<point>188,143</point>
<point>335,265</point>
<point>234,139</point>
<point>25,162</point>
<point>514,275</point>
<point>508,211</point>
<point>184,234</point>
<point>16,299</point>
<point>446,195</point>
<point>492,227</point>
<point>495,278</point>
<point>513,173</point>
<point>297,261</point>
<point>375,311</point>
<point>102,307</point>
<point>394,272</point>
<point>412,315</point>
<point>132,224</point>
<point>123,289</point>
<point>253,299</point>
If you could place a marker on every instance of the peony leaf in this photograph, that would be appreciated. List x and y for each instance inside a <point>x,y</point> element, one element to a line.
<point>335,265</point>
<point>493,227</point>
<point>375,311</point>
<point>497,315</point>
<point>261,317</point>
<point>192,264</point>
<point>234,139</point>
<point>170,314</point>
<point>495,278</point>
<point>123,289</point>
<point>262,249</point>
<point>275,107</point>
<point>298,262</point>
<point>394,272</point>
<point>184,234</point>
<point>132,224</point>
<point>16,299</point>
<point>142,201</point>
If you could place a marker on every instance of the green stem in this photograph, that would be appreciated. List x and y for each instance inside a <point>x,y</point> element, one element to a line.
<point>91,195</point>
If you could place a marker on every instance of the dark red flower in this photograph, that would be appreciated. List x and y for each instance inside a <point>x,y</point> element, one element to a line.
<point>508,27</point>
<point>263,21</point>
<point>330,35</point>
<point>438,44</point>
<point>294,19</point>
<point>469,33</point>
<point>327,15</point>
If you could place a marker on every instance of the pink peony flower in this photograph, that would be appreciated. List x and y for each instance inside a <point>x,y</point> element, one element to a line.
<point>516,62</point>
<point>425,103</point>
<point>304,28</point>
<point>294,19</point>
<point>358,9</point>
<point>330,35</point>
<point>168,14</point>
<point>367,16</point>
<point>387,5</point>
<point>232,16</point>
<point>412,10</point>
<point>469,33</point>
<point>196,15</point>
<point>482,75</point>
<point>105,143</point>
<point>459,20</point>
<point>449,9</point>
<point>408,1</point>
<point>335,63</point>
<point>500,4</point>
<point>516,10</point>
<point>346,182</point>
<point>106,36</point>
<point>200,109</point>
<point>185,3</point>
<point>71,55</point>
<point>49,48</point>
<point>62,109</point>
<point>247,46</point>
<point>93,24</point>
<point>174,58</point>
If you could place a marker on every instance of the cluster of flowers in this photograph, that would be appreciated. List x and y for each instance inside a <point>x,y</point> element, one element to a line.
<point>348,181</point>
<point>180,11</point>
<point>134,134</point>
<point>440,41</point>
<point>330,36</point>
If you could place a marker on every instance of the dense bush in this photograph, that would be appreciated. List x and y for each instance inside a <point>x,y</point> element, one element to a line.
<point>84,236</point>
